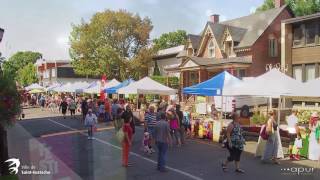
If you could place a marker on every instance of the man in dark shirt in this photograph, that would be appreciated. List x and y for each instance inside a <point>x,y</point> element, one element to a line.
<point>181,128</point>
<point>163,139</point>
<point>126,113</point>
<point>64,107</point>
<point>84,108</point>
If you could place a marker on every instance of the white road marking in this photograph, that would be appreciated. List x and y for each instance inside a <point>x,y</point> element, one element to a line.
<point>132,153</point>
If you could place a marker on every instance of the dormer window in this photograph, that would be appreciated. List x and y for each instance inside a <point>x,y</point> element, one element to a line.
<point>211,49</point>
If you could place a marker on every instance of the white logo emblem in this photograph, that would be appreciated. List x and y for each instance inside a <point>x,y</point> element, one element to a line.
<point>15,163</point>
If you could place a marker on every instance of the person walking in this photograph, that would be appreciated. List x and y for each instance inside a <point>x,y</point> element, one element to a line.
<point>114,109</point>
<point>42,101</point>
<point>163,139</point>
<point>90,122</point>
<point>235,144</point>
<point>187,122</point>
<point>150,120</point>
<point>127,141</point>
<point>63,108</point>
<point>181,126</point>
<point>101,111</point>
<point>84,108</point>
<point>314,144</point>
<point>107,107</point>
<point>293,131</point>
<point>72,109</point>
<point>174,125</point>
<point>128,112</point>
<point>272,145</point>
<point>118,120</point>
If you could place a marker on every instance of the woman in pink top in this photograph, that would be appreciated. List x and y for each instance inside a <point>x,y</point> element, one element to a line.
<point>174,125</point>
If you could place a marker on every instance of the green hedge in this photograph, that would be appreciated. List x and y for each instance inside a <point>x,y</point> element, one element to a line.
<point>172,82</point>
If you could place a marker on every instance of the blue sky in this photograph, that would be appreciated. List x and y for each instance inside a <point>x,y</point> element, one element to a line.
<point>44,25</point>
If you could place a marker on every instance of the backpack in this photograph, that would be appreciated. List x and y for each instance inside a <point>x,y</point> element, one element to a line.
<point>263,133</point>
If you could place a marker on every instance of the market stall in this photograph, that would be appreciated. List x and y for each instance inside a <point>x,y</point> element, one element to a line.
<point>114,89</point>
<point>95,87</point>
<point>210,126</point>
<point>71,87</point>
<point>34,86</point>
<point>147,86</point>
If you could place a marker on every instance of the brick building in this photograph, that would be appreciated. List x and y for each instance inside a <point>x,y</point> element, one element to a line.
<point>243,46</point>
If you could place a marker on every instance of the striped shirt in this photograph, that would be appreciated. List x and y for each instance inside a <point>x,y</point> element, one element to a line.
<point>150,119</point>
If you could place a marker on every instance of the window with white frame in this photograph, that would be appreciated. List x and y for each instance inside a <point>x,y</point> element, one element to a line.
<point>211,49</point>
<point>310,72</point>
<point>297,72</point>
<point>273,47</point>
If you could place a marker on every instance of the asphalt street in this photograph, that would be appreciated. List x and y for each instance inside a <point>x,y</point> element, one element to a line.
<point>46,141</point>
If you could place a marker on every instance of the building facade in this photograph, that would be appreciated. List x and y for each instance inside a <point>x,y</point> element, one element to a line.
<point>167,62</point>
<point>58,71</point>
<point>301,47</point>
<point>242,46</point>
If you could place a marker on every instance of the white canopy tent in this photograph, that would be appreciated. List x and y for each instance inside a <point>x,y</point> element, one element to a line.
<point>34,86</point>
<point>72,87</point>
<point>147,86</point>
<point>51,87</point>
<point>95,87</point>
<point>273,83</point>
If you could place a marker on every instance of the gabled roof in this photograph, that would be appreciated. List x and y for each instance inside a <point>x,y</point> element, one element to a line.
<point>169,52</point>
<point>195,40</point>
<point>255,24</point>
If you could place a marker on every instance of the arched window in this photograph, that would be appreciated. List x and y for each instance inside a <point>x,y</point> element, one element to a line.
<point>211,49</point>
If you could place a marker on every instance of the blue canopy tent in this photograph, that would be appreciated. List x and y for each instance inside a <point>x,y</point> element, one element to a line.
<point>114,90</point>
<point>213,86</point>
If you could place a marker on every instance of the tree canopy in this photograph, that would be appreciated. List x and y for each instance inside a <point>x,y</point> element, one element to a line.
<point>21,61</point>
<point>299,7</point>
<point>27,75</point>
<point>171,39</point>
<point>106,43</point>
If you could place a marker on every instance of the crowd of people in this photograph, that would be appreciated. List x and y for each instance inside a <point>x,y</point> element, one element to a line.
<point>166,124</point>
<point>162,127</point>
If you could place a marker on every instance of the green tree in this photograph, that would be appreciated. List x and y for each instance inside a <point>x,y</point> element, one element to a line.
<point>299,7</point>
<point>138,66</point>
<point>107,42</point>
<point>27,75</point>
<point>171,39</point>
<point>18,61</point>
<point>156,71</point>
<point>9,109</point>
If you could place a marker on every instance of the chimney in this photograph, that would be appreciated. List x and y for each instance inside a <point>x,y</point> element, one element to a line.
<point>279,3</point>
<point>214,18</point>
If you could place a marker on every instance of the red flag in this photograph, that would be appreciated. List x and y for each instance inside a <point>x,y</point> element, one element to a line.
<point>103,82</point>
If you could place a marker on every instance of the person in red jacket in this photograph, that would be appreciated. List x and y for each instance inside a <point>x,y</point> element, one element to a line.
<point>127,141</point>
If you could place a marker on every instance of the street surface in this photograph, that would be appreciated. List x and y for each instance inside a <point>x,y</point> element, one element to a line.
<point>46,141</point>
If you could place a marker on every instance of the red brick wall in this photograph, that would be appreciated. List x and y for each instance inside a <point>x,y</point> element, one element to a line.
<point>260,56</point>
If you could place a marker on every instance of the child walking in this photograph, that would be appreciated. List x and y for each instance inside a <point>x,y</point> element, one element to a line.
<point>90,122</point>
